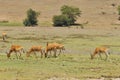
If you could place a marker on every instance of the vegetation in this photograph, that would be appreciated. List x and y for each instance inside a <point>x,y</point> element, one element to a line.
<point>119,12</point>
<point>67,66</point>
<point>71,12</point>
<point>11,24</point>
<point>31,19</point>
<point>74,63</point>
<point>61,20</point>
<point>68,17</point>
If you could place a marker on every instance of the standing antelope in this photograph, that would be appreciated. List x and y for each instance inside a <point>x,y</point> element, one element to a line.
<point>99,51</point>
<point>4,36</point>
<point>15,48</point>
<point>34,49</point>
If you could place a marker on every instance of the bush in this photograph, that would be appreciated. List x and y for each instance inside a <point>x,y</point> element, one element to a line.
<point>26,22</point>
<point>61,20</point>
<point>31,19</point>
<point>68,17</point>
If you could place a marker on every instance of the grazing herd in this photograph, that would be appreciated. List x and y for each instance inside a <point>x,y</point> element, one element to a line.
<point>45,52</point>
<point>50,47</point>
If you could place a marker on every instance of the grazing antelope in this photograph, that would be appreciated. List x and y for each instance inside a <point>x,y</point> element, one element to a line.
<point>59,47</point>
<point>99,51</point>
<point>15,48</point>
<point>4,36</point>
<point>54,47</point>
<point>34,49</point>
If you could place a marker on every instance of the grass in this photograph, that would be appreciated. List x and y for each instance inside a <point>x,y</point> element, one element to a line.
<point>43,24</point>
<point>74,63</point>
<point>65,66</point>
<point>11,24</point>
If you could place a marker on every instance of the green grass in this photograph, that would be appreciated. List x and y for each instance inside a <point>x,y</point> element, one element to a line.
<point>43,24</point>
<point>11,24</point>
<point>74,63</point>
<point>65,66</point>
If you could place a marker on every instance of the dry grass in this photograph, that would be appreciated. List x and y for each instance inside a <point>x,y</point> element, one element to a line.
<point>97,12</point>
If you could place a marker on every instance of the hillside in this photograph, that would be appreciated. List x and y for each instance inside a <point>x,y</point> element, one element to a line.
<point>96,12</point>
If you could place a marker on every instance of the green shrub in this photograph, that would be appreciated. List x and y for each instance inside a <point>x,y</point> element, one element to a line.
<point>31,19</point>
<point>61,20</point>
<point>68,17</point>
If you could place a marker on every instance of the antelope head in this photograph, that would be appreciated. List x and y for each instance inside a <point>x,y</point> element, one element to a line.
<point>8,55</point>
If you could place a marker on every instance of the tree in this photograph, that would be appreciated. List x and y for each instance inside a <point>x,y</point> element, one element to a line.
<point>71,12</point>
<point>68,17</point>
<point>119,12</point>
<point>31,19</point>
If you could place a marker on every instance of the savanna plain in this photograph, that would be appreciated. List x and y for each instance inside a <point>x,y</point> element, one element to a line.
<point>73,64</point>
<point>102,28</point>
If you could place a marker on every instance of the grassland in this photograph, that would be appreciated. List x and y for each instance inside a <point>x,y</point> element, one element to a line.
<point>66,67</point>
<point>73,64</point>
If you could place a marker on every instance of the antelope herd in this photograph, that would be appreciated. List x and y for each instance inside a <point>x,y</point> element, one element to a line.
<point>51,47</point>
<point>17,49</point>
<point>47,51</point>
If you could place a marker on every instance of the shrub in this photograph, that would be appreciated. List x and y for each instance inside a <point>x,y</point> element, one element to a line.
<point>68,17</point>
<point>61,20</point>
<point>31,19</point>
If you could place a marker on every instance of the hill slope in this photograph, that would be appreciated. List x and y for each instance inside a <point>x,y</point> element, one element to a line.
<point>96,12</point>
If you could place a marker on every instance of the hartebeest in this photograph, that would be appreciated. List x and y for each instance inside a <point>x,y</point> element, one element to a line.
<point>59,47</point>
<point>34,49</point>
<point>4,36</point>
<point>54,47</point>
<point>99,51</point>
<point>16,49</point>
<point>50,47</point>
